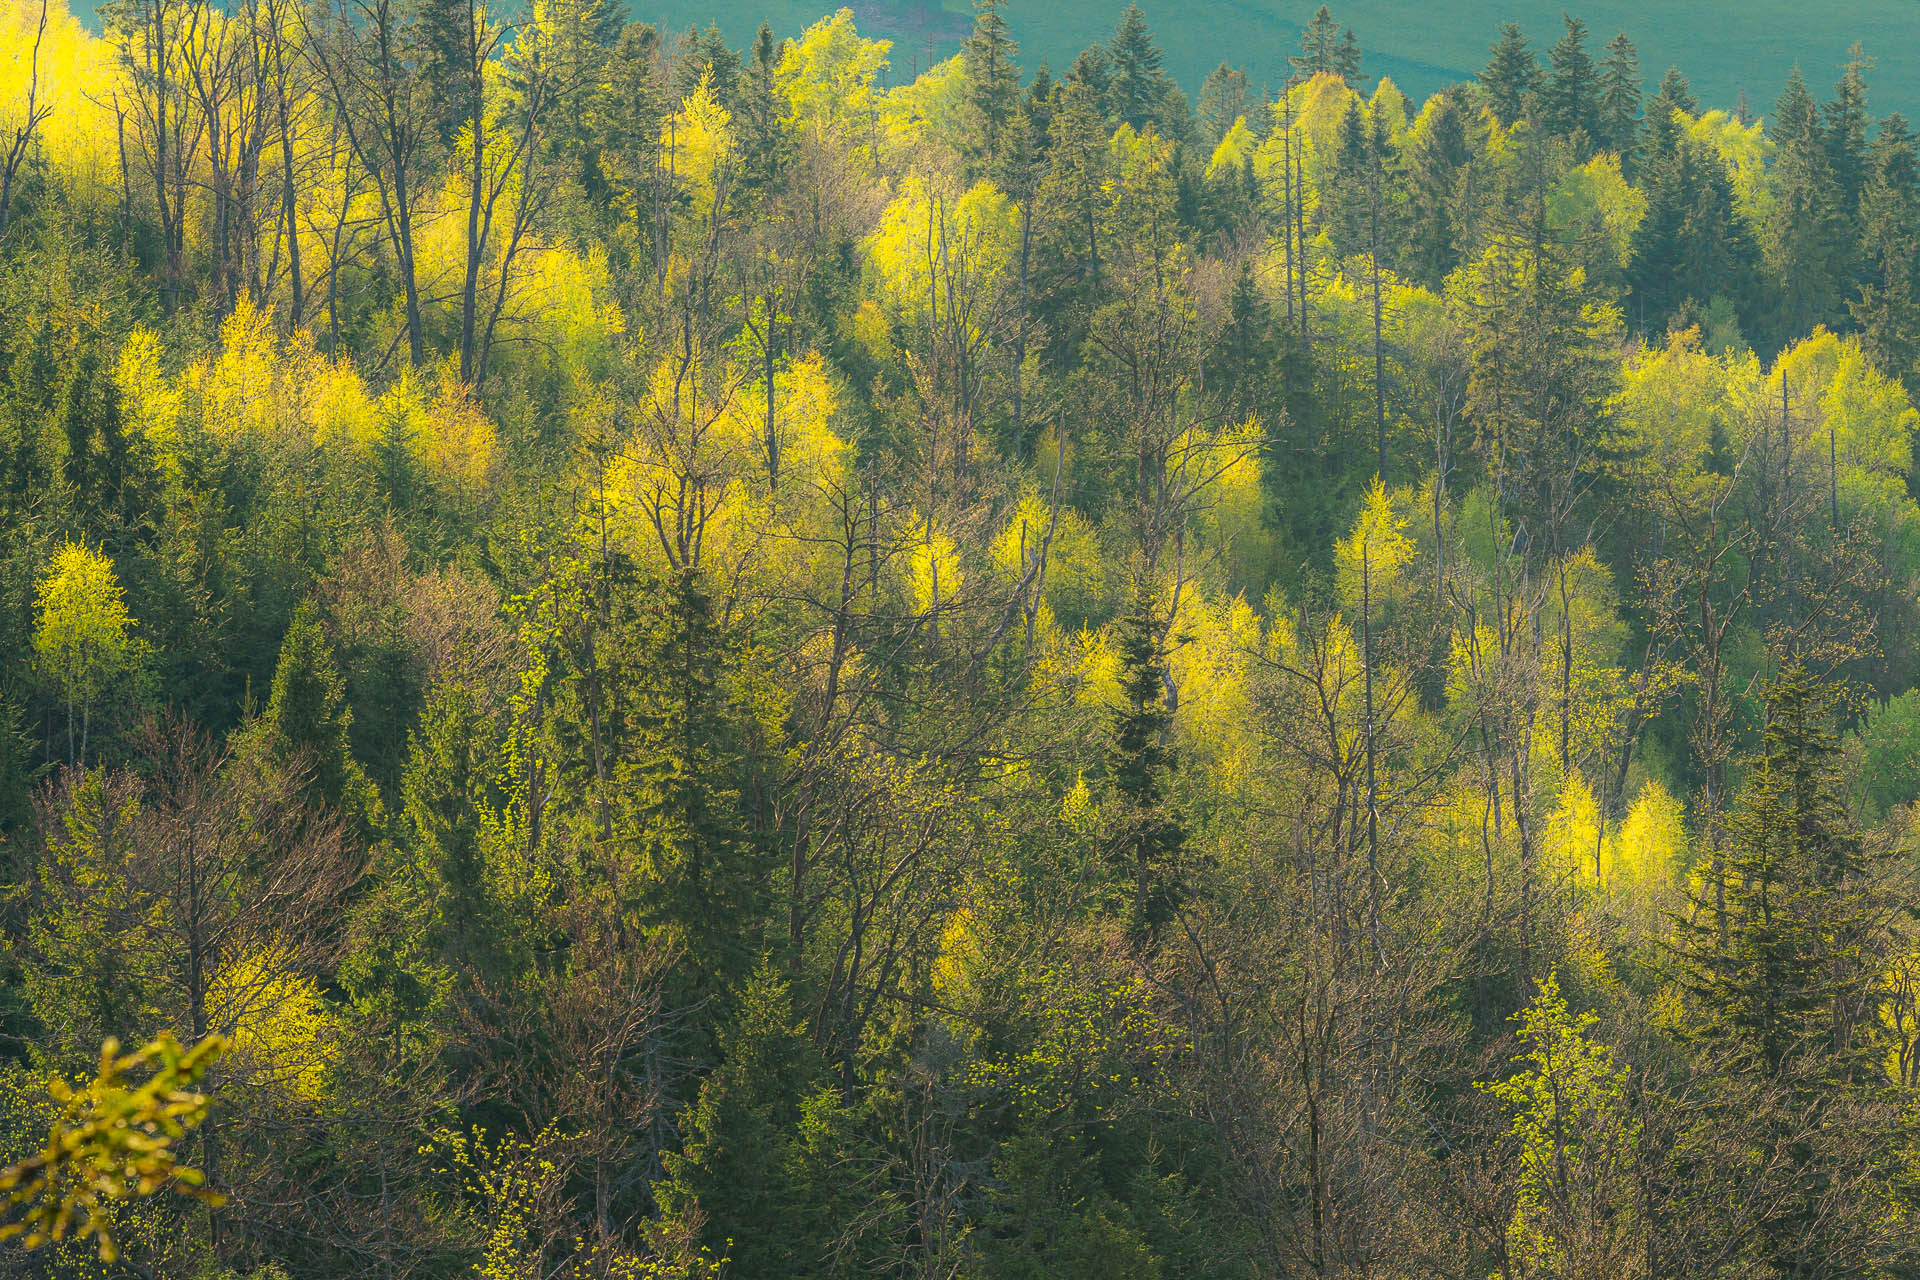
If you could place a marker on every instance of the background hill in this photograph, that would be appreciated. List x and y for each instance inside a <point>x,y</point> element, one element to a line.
<point>1726,47</point>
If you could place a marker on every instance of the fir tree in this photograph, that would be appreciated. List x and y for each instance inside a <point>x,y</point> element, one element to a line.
<point>1512,76</point>
<point>706,55</point>
<point>1662,131</point>
<point>765,147</point>
<point>307,723</point>
<point>1692,246</point>
<point>1844,123</point>
<point>1808,242</point>
<point>1225,96</point>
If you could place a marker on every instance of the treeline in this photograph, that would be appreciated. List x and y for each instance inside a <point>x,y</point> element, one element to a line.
<point>694,666</point>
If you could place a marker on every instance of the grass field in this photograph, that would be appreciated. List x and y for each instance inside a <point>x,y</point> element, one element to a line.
<point>1726,47</point>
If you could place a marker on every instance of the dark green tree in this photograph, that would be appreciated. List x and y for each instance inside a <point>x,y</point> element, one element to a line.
<point>1692,246</point>
<point>1619,113</point>
<point>1225,96</point>
<point>1809,242</point>
<point>1512,76</point>
<point>1145,841</point>
<point>1888,308</point>
<point>1662,132</point>
<point>993,86</point>
<point>1434,168</point>
<point>1138,89</point>
<point>1570,97</point>
<point>307,721</point>
<point>1326,49</point>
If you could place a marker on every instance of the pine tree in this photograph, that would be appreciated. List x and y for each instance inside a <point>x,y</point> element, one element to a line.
<point>1144,841</point>
<point>1620,100</point>
<point>1512,76</point>
<point>1782,967</point>
<point>1345,207</point>
<point>1844,123</point>
<point>1138,89</point>
<point>1888,308</point>
<point>1570,98</point>
<point>993,85</point>
<point>706,54</point>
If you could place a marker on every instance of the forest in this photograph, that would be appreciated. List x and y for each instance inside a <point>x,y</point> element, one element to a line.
<point>623,658</point>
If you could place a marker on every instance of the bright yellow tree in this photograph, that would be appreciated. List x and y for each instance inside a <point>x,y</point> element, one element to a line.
<point>84,642</point>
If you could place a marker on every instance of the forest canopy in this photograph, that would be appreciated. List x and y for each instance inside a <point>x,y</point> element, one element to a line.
<point>628,658</point>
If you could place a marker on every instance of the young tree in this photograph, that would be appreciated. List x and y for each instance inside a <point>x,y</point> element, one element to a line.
<point>83,642</point>
<point>1144,840</point>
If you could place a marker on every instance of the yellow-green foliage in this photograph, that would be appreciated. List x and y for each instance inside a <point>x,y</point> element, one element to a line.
<point>283,1034</point>
<point>932,238</point>
<point>78,80</point>
<point>113,1140</point>
<point>827,77</point>
<point>271,388</point>
<point>83,639</point>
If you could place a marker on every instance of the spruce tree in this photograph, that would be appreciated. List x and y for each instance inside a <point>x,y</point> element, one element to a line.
<point>1325,49</point>
<point>706,55</point>
<point>1512,76</point>
<point>1692,246</point>
<point>1888,308</point>
<point>1434,167</point>
<point>1662,130</point>
<point>1225,96</point>
<point>765,148</point>
<point>1620,100</point>
<point>1808,244</point>
<point>307,722</point>
<point>1570,98</point>
<point>1144,840</point>
<point>1843,121</point>
<point>1138,88</point>
<point>993,86</point>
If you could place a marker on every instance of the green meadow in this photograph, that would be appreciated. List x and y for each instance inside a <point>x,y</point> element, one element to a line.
<point>1726,47</point>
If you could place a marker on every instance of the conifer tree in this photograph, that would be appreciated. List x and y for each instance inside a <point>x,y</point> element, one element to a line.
<point>1570,98</point>
<point>1844,121</point>
<point>763,143</point>
<point>1138,88</point>
<point>1692,246</point>
<point>1144,840</point>
<point>1434,171</point>
<point>1325,49</point>
<point>1662,133</point>
<point>1225,96</point>
<point>307,720</point>
<point>1512,76</point>
<point>1619,109</point>
<point>1888,308</point>
<point>1808,243</point>
<point>993,85</point>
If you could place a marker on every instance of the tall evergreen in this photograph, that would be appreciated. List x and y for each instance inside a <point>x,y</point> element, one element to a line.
<point>1570,97</point>
<point>1225,96</point>
<point>1138,89</point>
<point>1144,840</point>
<point>1888,308</point>
<point>1692,246</point>
<point>1327,49</point>
<point>1662,131</point>
<point>1619,118</point>
<point>764,146</point>
<point>706,55</point>
<point>1808,242</point>
<point>1512,76</point>
<point>1434,168</point>
<point>1844,121</point>
<point>307,722</point>
<point>993,86</point>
